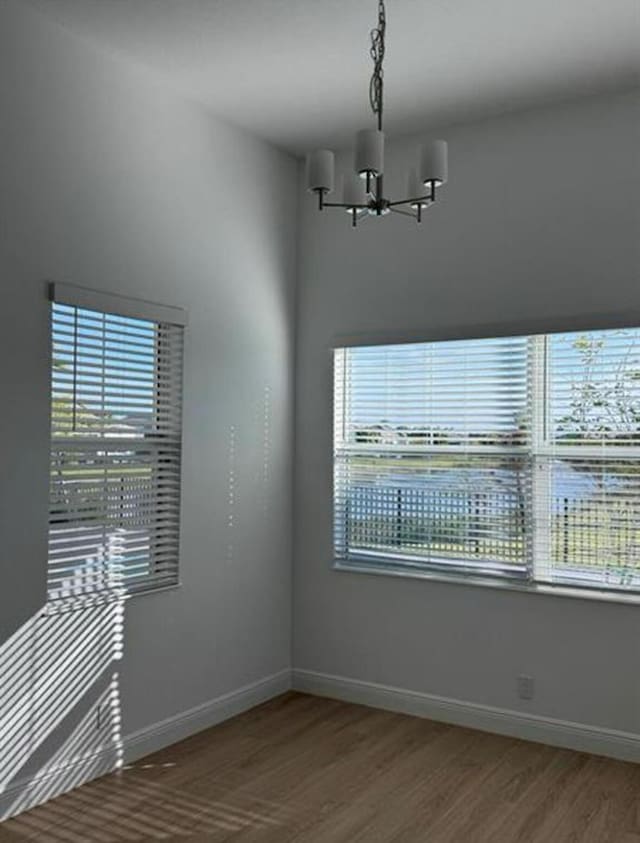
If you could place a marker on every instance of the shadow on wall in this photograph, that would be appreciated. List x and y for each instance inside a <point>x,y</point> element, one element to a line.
<point>59,699</point>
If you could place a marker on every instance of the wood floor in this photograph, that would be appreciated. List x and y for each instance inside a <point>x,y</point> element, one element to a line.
<point>311,770</point>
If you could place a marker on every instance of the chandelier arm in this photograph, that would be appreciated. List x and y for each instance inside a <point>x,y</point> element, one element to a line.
<point>427,198</point>
<point>404,213</point>
<point>376,85</point>
<point>343,205</point>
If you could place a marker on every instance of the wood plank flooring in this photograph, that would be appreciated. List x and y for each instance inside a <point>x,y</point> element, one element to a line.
<point>300,769</point>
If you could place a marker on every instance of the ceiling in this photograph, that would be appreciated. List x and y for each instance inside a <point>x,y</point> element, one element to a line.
<point>296,72</point>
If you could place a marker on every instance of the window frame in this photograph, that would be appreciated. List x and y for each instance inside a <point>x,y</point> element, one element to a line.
<point>540,449</point>
<point>163,317</point>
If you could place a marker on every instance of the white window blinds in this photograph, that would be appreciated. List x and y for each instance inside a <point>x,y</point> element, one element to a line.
<point>589,459</point>
<point>116,403</point>
<point>513,457</point>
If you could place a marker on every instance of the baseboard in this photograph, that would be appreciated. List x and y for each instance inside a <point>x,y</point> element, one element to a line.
<point>624,746</point>
<point>27,793</point>
<point>180,726</point>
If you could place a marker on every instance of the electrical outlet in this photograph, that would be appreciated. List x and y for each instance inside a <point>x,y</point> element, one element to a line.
<point>525,687</point>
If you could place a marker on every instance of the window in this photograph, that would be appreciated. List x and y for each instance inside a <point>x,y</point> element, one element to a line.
<point>116,399</point>
<point>515,457</point>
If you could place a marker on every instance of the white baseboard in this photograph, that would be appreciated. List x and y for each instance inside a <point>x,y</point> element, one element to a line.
<point>624,746</point>
<point>27,793</point>
<point>181,726</point>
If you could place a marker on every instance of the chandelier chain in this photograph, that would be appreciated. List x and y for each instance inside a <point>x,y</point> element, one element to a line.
<point>377,55</point>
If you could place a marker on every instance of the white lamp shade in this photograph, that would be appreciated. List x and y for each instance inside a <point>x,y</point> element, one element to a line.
<point>434,164</point>
<point>416,189</point>
<point>320,170</point>
<point>354,191</point>
<point>369,152</point>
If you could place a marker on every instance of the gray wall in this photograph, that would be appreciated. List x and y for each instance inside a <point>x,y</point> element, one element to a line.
<point>538,226</point>
<point>108,181</point>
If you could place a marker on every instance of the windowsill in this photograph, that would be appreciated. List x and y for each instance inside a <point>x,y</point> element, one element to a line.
<point>606,596</point>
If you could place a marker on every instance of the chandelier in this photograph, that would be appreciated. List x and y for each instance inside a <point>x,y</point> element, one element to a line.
<point>364,188</point>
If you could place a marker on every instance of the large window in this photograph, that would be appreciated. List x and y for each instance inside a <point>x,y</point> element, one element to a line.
<point>116,398</point>
<point>515,457</point>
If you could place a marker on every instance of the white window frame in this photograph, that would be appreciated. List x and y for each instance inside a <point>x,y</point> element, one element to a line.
<point>541,450</point>
<point>165,318</point>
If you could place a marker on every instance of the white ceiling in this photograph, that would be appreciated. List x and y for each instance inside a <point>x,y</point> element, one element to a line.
<point>297,71</point>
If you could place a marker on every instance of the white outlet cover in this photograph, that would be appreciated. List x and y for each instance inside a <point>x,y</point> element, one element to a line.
<point>525,687</point>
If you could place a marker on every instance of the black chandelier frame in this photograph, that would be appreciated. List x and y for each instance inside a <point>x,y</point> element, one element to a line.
<point>377,204</point>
